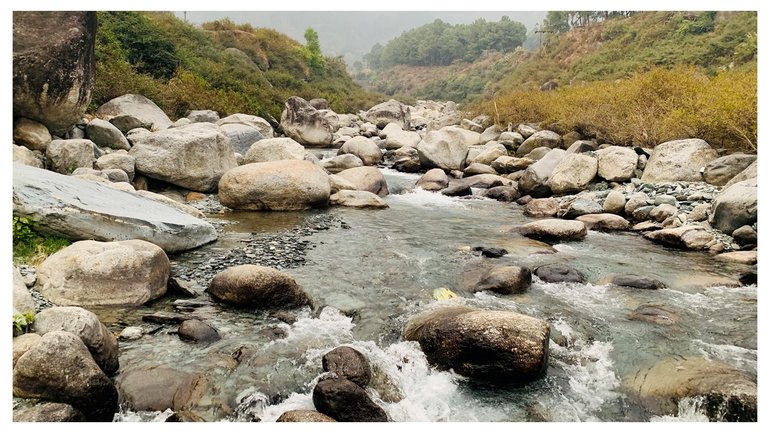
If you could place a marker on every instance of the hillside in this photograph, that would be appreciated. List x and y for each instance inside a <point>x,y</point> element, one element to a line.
<point>220,66</point>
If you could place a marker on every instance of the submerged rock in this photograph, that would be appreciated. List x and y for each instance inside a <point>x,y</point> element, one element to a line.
<point>348,363</point>
<point>345,401</point>
<point>160,388</point>
<point>657,314</point>
<point>358,199</point>
<point>636,282</point>
<point>257,286</point>
<point>505,280</point>
<point>559,273</point>
<point>197,331</point>
<point>492,346</point>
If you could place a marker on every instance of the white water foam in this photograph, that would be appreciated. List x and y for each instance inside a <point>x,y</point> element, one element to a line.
<point>689,409</point>
<point>389,172</point>
<point>127,415</point>
<point>736,356</point>
<point>422,198</point>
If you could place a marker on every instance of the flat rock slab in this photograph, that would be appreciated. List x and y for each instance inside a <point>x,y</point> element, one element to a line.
<point>81,209</point>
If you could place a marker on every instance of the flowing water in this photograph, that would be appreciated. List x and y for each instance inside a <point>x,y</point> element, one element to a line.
<point>371,274</point>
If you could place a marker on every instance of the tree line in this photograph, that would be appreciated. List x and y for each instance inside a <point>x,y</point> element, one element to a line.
<point>440,43</point>
<point>564,21</point>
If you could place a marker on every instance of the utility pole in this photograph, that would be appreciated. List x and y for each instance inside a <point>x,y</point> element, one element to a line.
<point>540,32</point>
<point>185,16</point>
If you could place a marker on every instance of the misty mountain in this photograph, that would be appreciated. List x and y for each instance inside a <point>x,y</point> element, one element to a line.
<point>352,34</point>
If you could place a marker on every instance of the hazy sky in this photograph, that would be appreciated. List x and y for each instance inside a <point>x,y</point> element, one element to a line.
<point>352,34</point>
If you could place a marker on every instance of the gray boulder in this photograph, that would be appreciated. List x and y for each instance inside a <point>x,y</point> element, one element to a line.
<point>559,273</point>
<point>241,136</point>
<point>359,199</point>
<point>735,206</point>
<point>617,164</point>
<point>364,148</point>
<point>492,346</point>
<point>209,116</point>
<point>491,151</point>
<point>59,368</point>
<point>341,162</point>
<point>90,273</point>
<point>256,122</point>
<point>678,160</point>
<point>274,149</point>
<point>526,131</point>
<point>604,222</point>
<point>118,160</point>
<point>719,171</point>
<point>83,323</point>
<point>306,125</point>
<point>257,287</point>
<point>534,180</point>
<point>554,230</point>
<point>53,66</point>
<point>543,138</point>
<point>749,173</point>
<point>636,282</point>
<point>433,180</point>
<point>615,202</point>
<point>81,209</point>
<point>492,133</point>
<point>23,155</point>
<point>662,211</point>
<point>30,134</point>
<point>400,138</point>
<point>390,111</point>
<point>446,149</point>
<point>542,207</point>
<point>579,207</point>
<point>506,280</point>
<point>343,400</point>
<point>105,134</point>
<point>338,184</point>
<point>22,300</point>
<point>64,156</point>
<point>366,179</point>
<point>573,173</point>
<point>275,185</point>
<point>132,111</point>
<point>688,237</point>
<point>477,168</point>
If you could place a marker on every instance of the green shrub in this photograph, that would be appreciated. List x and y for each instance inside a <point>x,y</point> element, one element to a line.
<point>22,322</point>
<point>31,247</point>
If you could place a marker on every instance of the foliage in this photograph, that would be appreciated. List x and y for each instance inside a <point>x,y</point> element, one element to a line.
<point>222,66</point>
<point>22,230</point>
<point>31,247</point>
<point>646,109</point>
<point>22,322</point>
<point>314,57</point>
<point>440,43</point>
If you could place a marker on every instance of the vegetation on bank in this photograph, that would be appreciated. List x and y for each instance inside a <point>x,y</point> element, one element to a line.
<point>223,66</point>
<point>31,247</point>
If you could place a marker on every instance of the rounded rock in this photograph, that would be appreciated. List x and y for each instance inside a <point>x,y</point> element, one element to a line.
<point>257,286</point>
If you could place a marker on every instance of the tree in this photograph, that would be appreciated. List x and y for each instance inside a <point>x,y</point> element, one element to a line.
<point>314,56</point>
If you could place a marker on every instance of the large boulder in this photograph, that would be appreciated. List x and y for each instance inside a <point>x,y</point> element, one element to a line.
<point>341,162</point>
<point>554,230</point>
<point>305,124</point>
<point>33,135</point>
<point>257,287</point>
<point>433,180</point>
<point>209,116</point>
<point>678,160</point>
<point>719,171</point>
<point>53,66</point>
<point>446,148</point>
<point>362,147</point>
<point>348,363</point>
<point>366,179</point>
<point>274,149</point>
<point>65,156</point>
<point>604,222</point>
<point>542,207</point>
<point>573,173</point>
<point>688,236</point>
<point>81,209</point>
<point>359,199</point>
<point>299,415</point>
<point>59,368</point>
<point>105,134</point>
<point>83,323</point>
<point>728,394</point>
<point>399,138</point>
<point>241,136</point>
<point>492,346</point>
<point>276,185</point>
<point>387,112</point>
<point>579,207</point>
<point>193,156</point>
<point>490,153</point>
<point>534,180</point>
<point>90,273</point>
<point>617,164</point>
<point>23,155</point>
<point>131,111</point>
<point>45,411</point>
<point>543,138</point>
<point>749,173</point>
<point>120,160</point>
<point>735,206</point>
<point>615,202</point>
<point>345,401</point>
<point>160,388</point>
<point>256,122</point>
<point>197,331</point>
<point>506,280</point>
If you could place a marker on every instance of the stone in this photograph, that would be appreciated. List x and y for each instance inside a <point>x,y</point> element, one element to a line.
<point>749,173</point>
<point>23,155</point>
<point>579,207</point>
<point>172,203</point>
<point>131,333</point>
<point>477,168</point>
<point>492,133</point>
<point>604,222</point>
<point>22,344</point>
<point>274,149</point>
<point>614,203</point>
<point>635,201</point>
<point>665,199</point>
<point>119,160</point>
<point>304,416</point>
<point>348,363</point>
<point>159,388</point>
<point>91,273</point>
<point>542,207</point>
<point>275,186</point>
<point>30,134</point>
<point>306,125</point>
<point>390,111</point>
<point>22,299</point>
<point>657,314</point>
<point>554,230</point>
<point>559,273</point>
<point>745,257</point>
<point>502,193</point>
<point>719,171</point>
<point>663,211</point>
<point>116,175</point>
<point>80,209</point>
<point>537,154</point>
<point>337,184</point>
<point>534,181</point>
<point>616,163</point>
<point>194,156</point>
<point>86,325</point>
<point>699,212</point>
<point>688,237</point>
<point>505,280</point>
<point>345,401</point>
<point>570,138</point>
<point>47,412</point>
<point>543,138</point>
<point>64,156</point>
<point>729,394</point>
<point>364,148</point>
<point>745,235</point>
<point>143,111</point>
<point>509,164</point>
<point>490,153</point>
<point>735,206</point>
<point>59,368</point>
<point>209,116</point>
<point>678,160</point>
<point>181,122</point>
<point>445,149</point>
<point>501,347</point>
<point>256,122</point>
<point>434,179</point>
<point>526,131</point>
<point>636,282</point>
<point>255,286</point>
<point>400,138</point>
<point>105,134</point>
<point>366,179</point>
<point>471,126</point>
<point>358,199</point>
<point>573,173</point>
<point>53,66</point>
<point>341,162</point>
<point>242,136</point>
<point>582,146</point>
<point>510,137</point>
<point>197,331</point>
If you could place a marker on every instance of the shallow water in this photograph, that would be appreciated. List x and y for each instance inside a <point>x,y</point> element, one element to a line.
<point>369,278</point>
